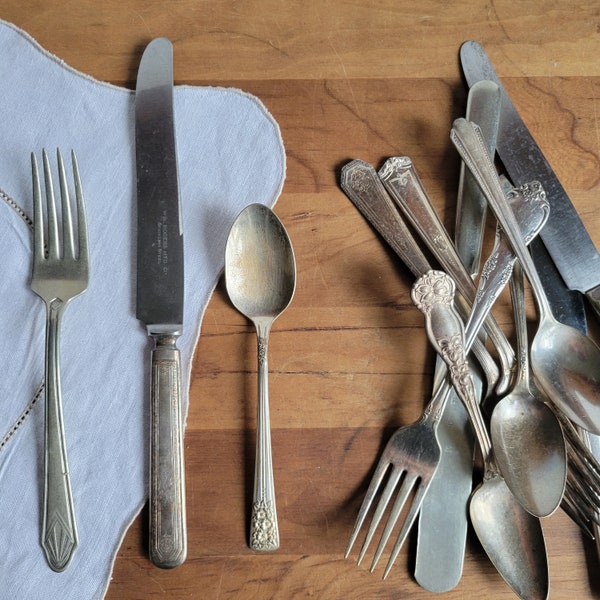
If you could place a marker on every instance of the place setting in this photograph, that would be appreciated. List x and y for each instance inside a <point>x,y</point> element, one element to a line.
<point>125,211</point>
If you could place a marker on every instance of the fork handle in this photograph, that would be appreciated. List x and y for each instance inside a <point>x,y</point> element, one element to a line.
<point>59,530</point>
<point>168,537</point>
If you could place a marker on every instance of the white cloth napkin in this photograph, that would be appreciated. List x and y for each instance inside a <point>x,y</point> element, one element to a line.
<point>230,154</point>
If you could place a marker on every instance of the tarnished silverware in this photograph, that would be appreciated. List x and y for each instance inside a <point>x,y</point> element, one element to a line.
<point>401,180</point>
<point>260,275</point>
<point>361,184</point>
<point>60,273</point>
<point>407,459</point>
<point>439,558</point>
<point>570,379</point>
<point>512,538</point>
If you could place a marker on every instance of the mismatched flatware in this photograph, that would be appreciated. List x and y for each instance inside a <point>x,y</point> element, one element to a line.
<point>512,537</point>
<point>570,379</point>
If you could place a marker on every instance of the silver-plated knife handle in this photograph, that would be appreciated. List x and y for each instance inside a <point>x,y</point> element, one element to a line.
<point>593,297</point>
<point>168,537</point>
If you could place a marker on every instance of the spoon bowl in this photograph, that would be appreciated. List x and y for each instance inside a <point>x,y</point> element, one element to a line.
<point>526,433</point>
<point>260,276</point>
<point>530,449</point>
<point>565,361</point>
<point>566,364</point>
<point>511,537</point>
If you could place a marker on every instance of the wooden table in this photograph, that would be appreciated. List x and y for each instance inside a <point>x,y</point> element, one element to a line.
<point>349,359</point>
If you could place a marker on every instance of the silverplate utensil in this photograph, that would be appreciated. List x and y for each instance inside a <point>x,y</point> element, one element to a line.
<point>439,558</point>
<point>512,538</point>
<point>60,273</point>
<point>565,235</point>
<point>159,297</point>
<point>362,185</point>
<point>260,276</point>
<point>411,455</point>
<point>527,437</point>
<point>570,379</point>
<point>402,181</point>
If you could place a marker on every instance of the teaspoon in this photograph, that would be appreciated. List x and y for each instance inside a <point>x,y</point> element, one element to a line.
<point>526,434</point>
<point>260,276</point>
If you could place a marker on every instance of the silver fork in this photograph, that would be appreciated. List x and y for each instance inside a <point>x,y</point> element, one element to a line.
<point>60,272</point>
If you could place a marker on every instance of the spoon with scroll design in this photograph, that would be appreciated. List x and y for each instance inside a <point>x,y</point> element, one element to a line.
<point>512,537</point>
<point>565,361</point>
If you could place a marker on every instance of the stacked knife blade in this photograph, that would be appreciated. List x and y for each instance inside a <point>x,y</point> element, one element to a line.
<point>567,271</point>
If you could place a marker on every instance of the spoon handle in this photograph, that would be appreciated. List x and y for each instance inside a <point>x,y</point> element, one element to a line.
<point>466,136</point>
<point>362,185</point>
<point>402,181</point>
<point>264,530</point>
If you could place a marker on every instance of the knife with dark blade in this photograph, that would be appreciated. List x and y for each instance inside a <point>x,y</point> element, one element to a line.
<point>564,234</point>
<point>160,296</point>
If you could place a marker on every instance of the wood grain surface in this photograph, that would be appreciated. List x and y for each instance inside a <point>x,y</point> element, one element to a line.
<point>349,359</point>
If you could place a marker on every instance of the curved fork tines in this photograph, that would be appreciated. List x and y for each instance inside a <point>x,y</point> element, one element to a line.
<point>403,494</point>
<point>47,233</point>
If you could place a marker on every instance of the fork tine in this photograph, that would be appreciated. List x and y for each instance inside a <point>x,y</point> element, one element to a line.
<point>52,238</point>
<point>403,492</point>
<point>408,523</point>
<point>82,236</point>
<point>381,506</point>
<point>67,220</point>
<point>38,213</point>
<point>380,471</point>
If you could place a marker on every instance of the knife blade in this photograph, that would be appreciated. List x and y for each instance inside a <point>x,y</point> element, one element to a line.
<point>159,296</point>
<point>564,234</point>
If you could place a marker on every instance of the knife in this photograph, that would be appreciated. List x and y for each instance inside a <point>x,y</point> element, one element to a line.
<point>564,234</point>
<point>159,299</point>
<point>439,558</point>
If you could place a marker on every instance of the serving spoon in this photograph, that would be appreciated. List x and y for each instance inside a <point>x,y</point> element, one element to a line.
<point>260,276</point>
<point>564,360</point>
<point>512,537</point>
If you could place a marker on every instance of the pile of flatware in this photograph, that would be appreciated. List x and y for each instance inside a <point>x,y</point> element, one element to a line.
<point>542,400</point>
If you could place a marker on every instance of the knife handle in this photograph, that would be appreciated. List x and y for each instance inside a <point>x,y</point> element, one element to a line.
<point>168,537</point>
<point>593,297</point>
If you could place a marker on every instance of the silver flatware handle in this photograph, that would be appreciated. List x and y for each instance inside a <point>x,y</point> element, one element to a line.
<point>168,535</point>
<point>264,529</point>
<point>59,530</point>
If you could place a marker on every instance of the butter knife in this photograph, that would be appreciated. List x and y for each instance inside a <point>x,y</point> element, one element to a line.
<point>439,559</point>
